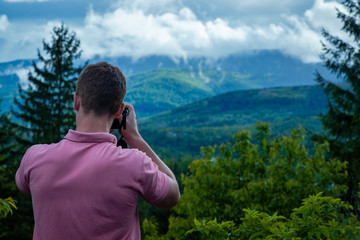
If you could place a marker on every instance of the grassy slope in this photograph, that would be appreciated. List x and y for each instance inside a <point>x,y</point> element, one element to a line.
<point>214,120</point>
<point>157,91</point>
<point>160,90</point>
<point>244,107</point>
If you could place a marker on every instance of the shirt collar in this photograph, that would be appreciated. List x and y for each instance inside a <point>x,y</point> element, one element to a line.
<point>97,137</point>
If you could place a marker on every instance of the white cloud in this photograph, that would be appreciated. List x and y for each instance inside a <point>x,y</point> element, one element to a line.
<point>139,28</point>
<point>268,5</point>
<point>23,38</point>
<point>301,41</point>
<point>135,33</point>
<point>23,76</point>
<point>324,15</point>
<point>20,1</point>
<point>21,72</point>
<point>4,22</point>
<point>153,6</point>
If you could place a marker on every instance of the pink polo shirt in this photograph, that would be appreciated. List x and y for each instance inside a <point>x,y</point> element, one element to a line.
<point>84,187</point>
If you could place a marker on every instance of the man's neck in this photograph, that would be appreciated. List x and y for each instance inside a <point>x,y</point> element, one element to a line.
<point>90,122</point>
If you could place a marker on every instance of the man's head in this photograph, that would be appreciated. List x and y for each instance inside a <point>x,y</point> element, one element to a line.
<point>101,88</point>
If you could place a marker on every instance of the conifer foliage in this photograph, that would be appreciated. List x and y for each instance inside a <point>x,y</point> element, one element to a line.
<point>46,103</point>
<point>342,121</point>
<point>19,222</point>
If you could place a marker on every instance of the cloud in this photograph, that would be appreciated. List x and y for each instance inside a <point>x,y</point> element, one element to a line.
<point>20,71</point>
<point>323,14</point>
<point>23,76</point>
<point>135,32</point>
<point>4,23</point>
<point>178,28</point>
<point>22,1</point>
<point>153,6</point>
<point>181,34</point>
<point>23,38</point>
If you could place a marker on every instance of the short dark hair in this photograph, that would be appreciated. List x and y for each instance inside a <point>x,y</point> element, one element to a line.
<point>102,88</point>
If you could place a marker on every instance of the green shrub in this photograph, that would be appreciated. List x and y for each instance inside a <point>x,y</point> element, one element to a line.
<point>6,206</point>
<point>272,175</point>
<point>319,217</point>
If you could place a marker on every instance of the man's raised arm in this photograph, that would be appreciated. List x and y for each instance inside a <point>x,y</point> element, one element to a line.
<point>134,139</point>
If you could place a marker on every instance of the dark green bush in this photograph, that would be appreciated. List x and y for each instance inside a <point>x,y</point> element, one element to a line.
<point>271,176</point>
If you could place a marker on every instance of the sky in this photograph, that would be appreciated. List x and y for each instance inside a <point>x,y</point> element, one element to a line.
<point>175,28</point>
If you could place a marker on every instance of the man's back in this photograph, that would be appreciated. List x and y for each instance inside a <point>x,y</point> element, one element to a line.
<point>84,187</point>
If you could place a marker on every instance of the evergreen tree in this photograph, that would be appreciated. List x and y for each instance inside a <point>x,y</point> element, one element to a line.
<point>45,111</point>
<point>18,225</point>
<point>342,121</point>
<point>46,104</point>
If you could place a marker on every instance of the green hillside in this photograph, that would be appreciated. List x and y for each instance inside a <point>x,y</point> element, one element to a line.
<point>160,90</point>
<point>214,120</point>
<point>222,81</point>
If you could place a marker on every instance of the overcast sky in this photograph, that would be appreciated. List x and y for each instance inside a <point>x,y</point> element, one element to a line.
<point>177,28</point>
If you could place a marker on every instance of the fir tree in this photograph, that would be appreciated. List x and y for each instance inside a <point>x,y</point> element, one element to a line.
<point>46,104</point>
<point>18,225</point>
<point>342,121</point>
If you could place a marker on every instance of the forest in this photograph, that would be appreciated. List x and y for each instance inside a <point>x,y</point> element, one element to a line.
<point>241,179</point>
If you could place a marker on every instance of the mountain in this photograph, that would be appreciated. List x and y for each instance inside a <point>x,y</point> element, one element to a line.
<point>11,67</point>
<point>161,90</point>
<point>271,67</point>
<point>214,120</point>
<point>244,107</point>
<point>160,83</point>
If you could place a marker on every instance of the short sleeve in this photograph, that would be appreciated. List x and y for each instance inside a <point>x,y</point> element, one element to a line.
<point>154,183</point>
<point>21,177</point>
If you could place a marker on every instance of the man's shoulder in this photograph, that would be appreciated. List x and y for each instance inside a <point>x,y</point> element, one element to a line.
<point>32,154</point>
<point>134,153</point>
<point>131,159</point>
<point>35,148</point>
<point>39,149</point>
<point>39,146</point>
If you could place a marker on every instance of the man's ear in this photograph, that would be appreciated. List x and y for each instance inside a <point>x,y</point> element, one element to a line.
<point>76,102</point>
<point>119,112</point>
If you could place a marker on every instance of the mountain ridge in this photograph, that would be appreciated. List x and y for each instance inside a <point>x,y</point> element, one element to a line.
<point>160,90</point>
<point>216,119</point>
<point>181,81</point>
<point>298,100</point>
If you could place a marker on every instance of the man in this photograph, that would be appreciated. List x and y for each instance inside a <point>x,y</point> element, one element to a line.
<point>85,187</point>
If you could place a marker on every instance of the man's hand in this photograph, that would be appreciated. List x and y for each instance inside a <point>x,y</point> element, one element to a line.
<point>131,133</point>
